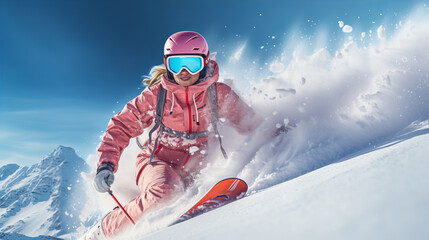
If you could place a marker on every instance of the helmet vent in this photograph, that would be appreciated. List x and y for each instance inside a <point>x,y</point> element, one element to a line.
<point>168,49</point>
<point>196,49</point>
<point>192,38</point>
<point>171,39</point>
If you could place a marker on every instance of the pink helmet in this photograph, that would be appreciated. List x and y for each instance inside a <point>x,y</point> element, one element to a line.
<point>186,42</point>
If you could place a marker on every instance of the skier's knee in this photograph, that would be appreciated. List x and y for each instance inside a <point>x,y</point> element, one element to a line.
<point>164,190</point>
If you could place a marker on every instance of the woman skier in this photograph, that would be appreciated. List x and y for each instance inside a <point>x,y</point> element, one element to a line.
<point>191,101</point>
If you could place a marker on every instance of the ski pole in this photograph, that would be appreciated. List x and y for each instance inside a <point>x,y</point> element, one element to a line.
<point>120,206</point>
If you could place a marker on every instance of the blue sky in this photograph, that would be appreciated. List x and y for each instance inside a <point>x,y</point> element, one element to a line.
<point>67,66</point>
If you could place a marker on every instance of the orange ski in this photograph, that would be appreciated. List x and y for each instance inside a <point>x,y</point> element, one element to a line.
<point>223,192</point>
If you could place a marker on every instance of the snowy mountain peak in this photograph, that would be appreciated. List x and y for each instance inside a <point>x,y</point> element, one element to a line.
<point>62,156</point>
<point>7,170</point>
<point>63,151</point>
<point>45,198</point>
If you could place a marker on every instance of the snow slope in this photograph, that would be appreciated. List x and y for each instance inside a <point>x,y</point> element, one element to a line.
<point>379,194</point>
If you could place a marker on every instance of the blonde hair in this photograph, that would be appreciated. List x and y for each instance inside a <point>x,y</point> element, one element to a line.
<point>155,75</point>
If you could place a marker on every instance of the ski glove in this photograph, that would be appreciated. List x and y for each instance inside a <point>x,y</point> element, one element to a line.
<point>104,178</point>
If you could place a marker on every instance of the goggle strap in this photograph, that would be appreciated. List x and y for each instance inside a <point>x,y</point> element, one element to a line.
<point>206,59</point>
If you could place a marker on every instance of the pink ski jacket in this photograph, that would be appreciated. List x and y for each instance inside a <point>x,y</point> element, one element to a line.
<point>184,107</point>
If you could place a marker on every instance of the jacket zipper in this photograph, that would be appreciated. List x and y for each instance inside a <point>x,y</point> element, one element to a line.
<point>189,110</point>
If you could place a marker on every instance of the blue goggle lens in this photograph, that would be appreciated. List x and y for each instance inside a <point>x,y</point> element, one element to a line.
<point>193,64</point>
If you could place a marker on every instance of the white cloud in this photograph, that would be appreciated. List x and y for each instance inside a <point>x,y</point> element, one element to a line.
<point>277,67</point>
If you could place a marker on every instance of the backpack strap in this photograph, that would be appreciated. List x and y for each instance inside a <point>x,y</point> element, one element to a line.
<point>212,98</point>
<point>160,102</point>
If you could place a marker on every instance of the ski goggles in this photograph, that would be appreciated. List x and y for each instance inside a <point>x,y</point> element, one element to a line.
<point>192,63</point>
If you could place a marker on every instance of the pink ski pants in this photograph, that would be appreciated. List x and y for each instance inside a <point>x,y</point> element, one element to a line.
<point>158,183</point>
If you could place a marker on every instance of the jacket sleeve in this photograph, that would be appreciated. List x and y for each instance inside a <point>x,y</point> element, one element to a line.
<point>238,113</point>
<point>137,115</point>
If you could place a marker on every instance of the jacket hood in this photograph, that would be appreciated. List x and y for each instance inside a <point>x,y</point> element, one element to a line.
<point>201,85</point>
